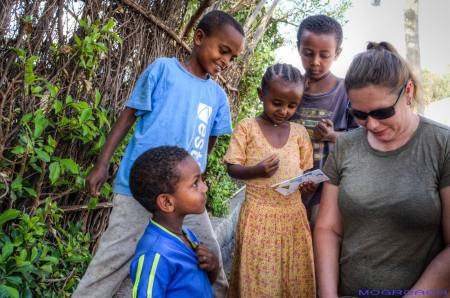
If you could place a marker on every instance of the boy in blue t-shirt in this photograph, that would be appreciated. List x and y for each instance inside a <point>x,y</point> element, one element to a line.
<point>177,103</point>
<point>168,261</point>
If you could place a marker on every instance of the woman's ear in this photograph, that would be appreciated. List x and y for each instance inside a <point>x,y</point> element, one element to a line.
<point>165,203</point>
<point>409,89</point>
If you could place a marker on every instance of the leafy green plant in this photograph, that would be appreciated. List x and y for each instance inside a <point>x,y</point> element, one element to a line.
<point>221,186</point>
<point>40,257</point>
<point>43,255</point>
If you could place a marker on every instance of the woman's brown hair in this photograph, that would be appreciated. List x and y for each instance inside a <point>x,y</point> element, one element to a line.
<point>381,65</point>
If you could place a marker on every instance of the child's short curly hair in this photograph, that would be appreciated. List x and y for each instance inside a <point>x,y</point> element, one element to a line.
<point>321,24</point>
<point>217,19</point>
<point>154,173</point>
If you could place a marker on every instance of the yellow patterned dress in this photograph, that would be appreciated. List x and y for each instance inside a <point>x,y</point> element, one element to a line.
<point>273,255</point>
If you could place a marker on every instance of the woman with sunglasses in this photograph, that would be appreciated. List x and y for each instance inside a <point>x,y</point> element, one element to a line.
<point>383,227</point>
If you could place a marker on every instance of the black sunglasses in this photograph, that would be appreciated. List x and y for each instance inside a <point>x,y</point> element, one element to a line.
<point>379,114</point>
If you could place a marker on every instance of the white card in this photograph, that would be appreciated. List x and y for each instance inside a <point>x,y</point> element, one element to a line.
<point>289,186</point>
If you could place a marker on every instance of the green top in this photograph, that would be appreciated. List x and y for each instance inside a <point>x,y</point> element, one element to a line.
<point>390,207</point>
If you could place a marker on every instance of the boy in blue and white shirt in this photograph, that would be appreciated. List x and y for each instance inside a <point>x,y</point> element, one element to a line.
<point>168,261</point>
<point>177,103</point>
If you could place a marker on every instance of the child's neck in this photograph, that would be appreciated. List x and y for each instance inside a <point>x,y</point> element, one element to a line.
<point>322,85</point>
<point>171,222</point>
<point>194,68</point>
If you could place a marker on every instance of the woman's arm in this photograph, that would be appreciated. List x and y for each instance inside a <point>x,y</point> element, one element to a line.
<point>327,241</point>
<point>437,275</point>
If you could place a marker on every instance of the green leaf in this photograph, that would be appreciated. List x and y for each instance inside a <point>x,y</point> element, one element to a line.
<point>70,165</point>
<point>53,90</point>
<point>98,98</point>
<point>31,191</point>
<point>47,268</point>
<point>50,259</point>
<point>7,250</point>
<point>57,106</point>
<point>36,90</point>
<point>85,115</point>
<point>18,150</point>
<point>69,99</point>
<point>108,26</point>
<point>92,203</point>
<point>17,183</point>
<point>51,141</point>
<point>77,40</point>
<point>40,124</point>
<point>8,215</point>
<point>6,291</point>
<point>15,280</point>
<point>42,155</point>
<point>55,172</point>
<point>26,118</point>
<point>34,254</point>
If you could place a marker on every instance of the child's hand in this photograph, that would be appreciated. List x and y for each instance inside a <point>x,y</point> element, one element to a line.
<point>207,261</point>
<point>95,180</point>
<point>324,131</point>
<point>269,166</point>
<point>307,187</point>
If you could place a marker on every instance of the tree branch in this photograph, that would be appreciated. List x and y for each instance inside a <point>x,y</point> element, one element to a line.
<point>198,13</point>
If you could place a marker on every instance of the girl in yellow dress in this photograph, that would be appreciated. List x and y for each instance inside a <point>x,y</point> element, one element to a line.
<point>273,255</point>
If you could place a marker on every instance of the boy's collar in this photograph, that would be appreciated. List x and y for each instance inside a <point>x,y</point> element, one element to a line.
<point>192,243</point>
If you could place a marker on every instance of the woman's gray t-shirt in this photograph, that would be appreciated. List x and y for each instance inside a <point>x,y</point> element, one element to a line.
<point>390,208</point>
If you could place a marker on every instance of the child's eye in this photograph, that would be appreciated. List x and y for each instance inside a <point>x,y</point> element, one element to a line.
<point>223,51</point>
<point>195,184</point>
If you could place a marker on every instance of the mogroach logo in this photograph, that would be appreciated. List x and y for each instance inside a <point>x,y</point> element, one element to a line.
<point>402,292</point>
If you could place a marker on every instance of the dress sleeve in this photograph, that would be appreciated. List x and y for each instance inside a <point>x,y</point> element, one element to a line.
<point>150,274</point>
<point>237,149</point>
<point>306,150</point>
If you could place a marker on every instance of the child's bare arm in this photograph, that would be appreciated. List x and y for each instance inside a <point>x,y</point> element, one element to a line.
<point>208,262</point>
<point>99,173</point>
<point>211,143</point>
<point>265,168</point>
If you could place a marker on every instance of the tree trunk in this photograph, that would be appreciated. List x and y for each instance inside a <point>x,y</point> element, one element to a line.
<point>252,17</point>
<point>259,32</point>
<point>411,23</point>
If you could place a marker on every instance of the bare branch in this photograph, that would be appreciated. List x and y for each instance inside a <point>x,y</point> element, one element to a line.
<point>253,16</point>
<point>198,13</point>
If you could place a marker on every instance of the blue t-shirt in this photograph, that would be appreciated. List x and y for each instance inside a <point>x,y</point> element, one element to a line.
<point>175,108</point>
<point>163,266</point>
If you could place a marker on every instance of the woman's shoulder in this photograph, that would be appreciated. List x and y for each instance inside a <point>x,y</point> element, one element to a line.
<point>351,137</point>
<point>437,127</point>
<point>435,131</point>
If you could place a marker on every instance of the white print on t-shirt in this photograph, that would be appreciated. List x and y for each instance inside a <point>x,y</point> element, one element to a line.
<point>204,113</point>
